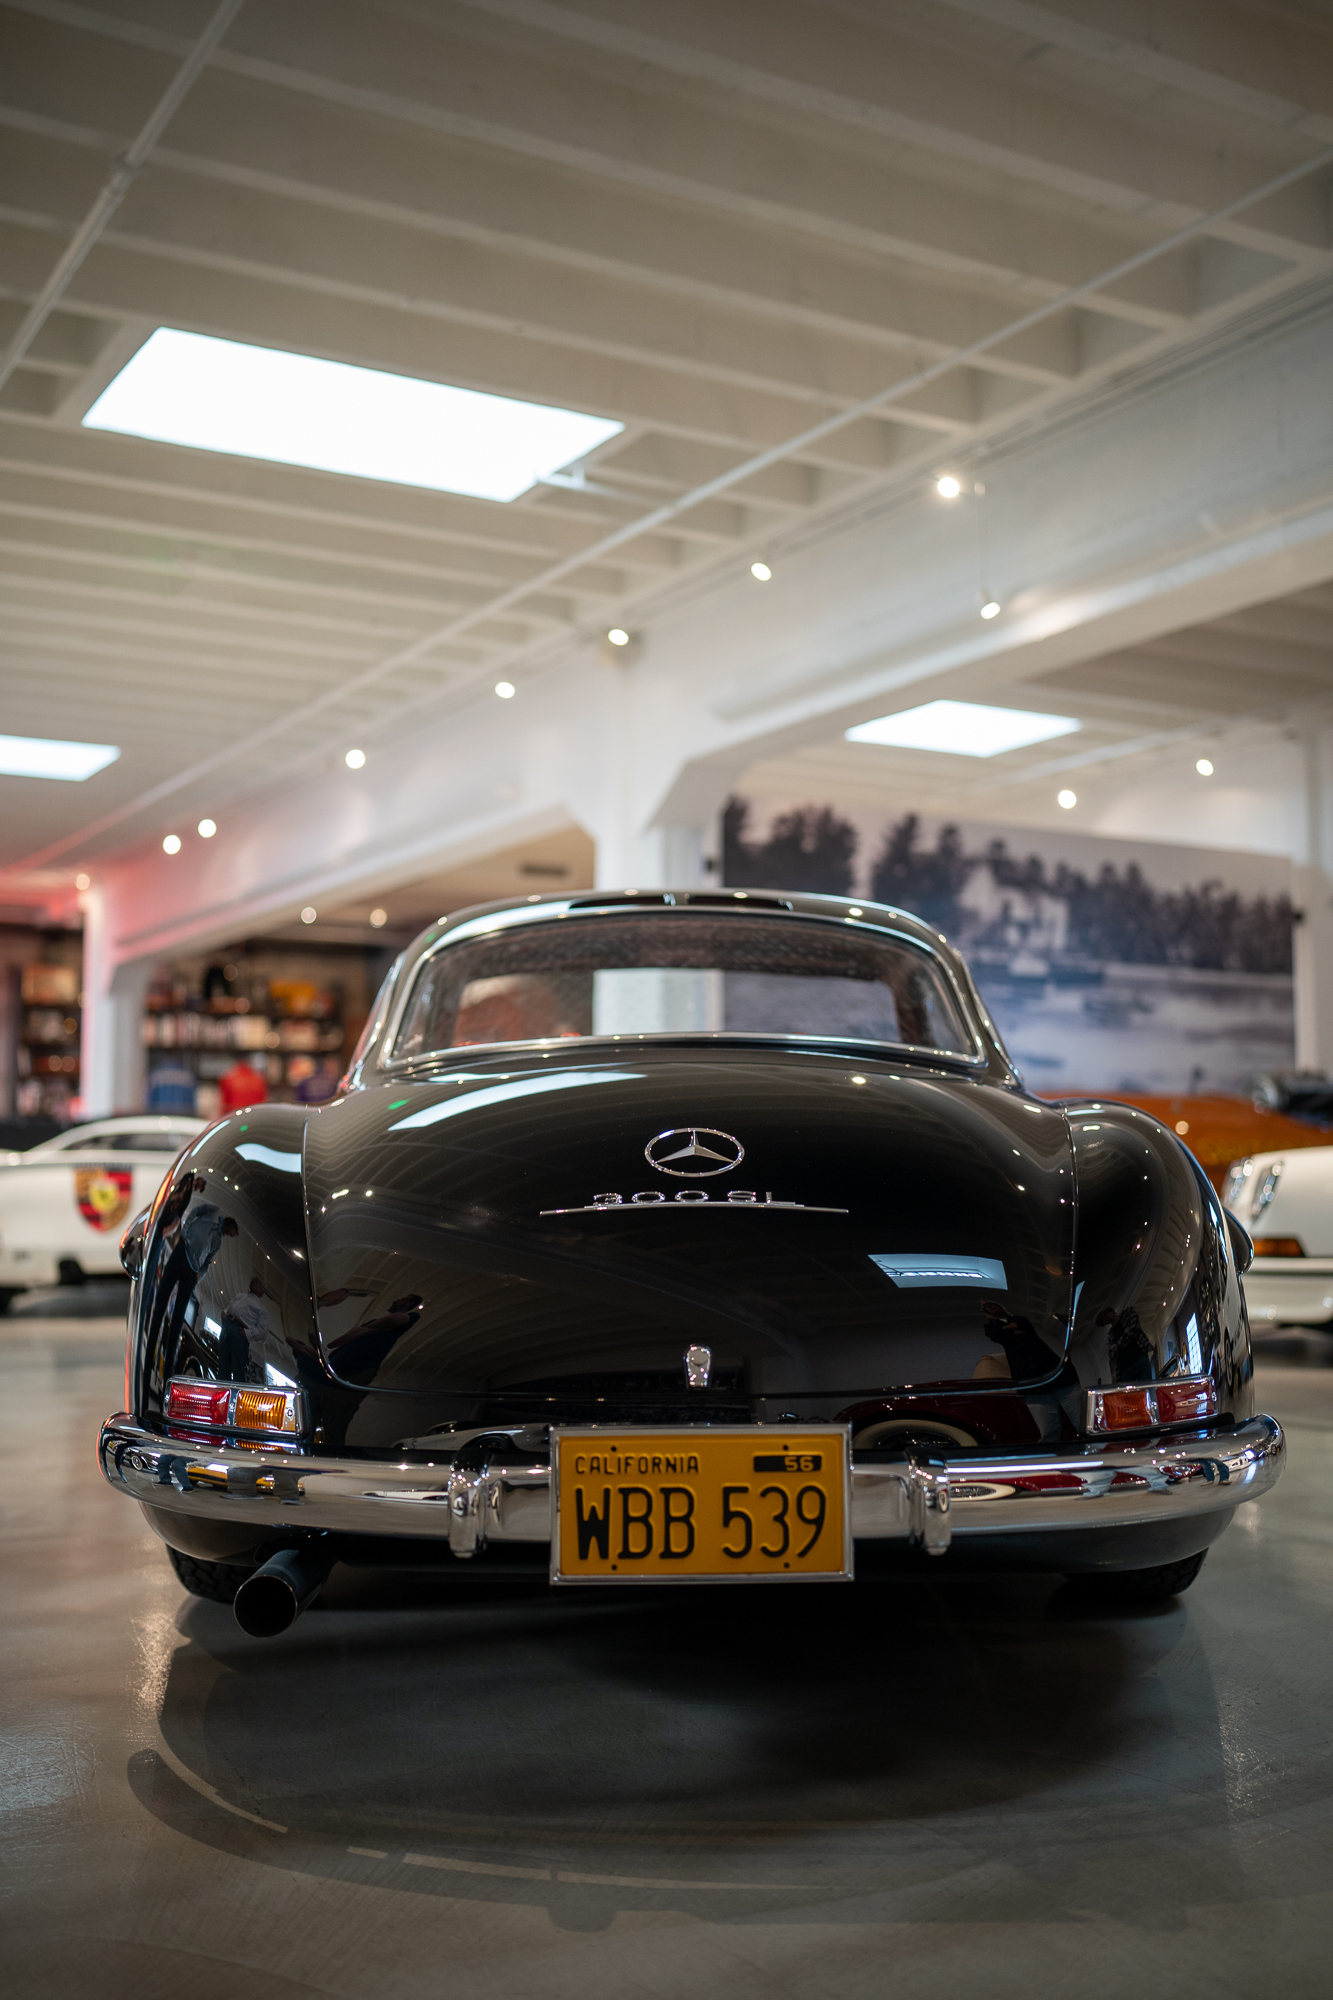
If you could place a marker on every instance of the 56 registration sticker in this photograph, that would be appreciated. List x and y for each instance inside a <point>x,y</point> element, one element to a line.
<point>712,1505</point>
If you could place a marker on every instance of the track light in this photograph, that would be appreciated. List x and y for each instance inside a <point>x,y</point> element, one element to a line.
<point>354,759</point>
<point>1067,799</point>
<point>172,844</point>
<point>990,609</point>
<point>505,690</point>
<point>1204,768</point>
<point>207,828</point>
<point>948,488</point>
<point>760,571</point>
<point>617,636</point>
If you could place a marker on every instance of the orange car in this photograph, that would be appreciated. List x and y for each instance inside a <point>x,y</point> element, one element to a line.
<point>1219,1129</point>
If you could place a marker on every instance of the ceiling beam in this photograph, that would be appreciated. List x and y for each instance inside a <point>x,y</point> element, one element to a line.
<point>1241,59</point>
<point>873,77</point>
<point>677,145</point>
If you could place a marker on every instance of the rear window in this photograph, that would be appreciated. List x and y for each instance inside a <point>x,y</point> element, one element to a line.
<point>681,973</point>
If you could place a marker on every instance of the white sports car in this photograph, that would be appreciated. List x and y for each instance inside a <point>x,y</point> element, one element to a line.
<point>1285,1200</point>
<point>64,1203</point>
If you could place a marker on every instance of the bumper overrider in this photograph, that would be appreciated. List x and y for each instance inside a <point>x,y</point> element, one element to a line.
<point>916,1500</point>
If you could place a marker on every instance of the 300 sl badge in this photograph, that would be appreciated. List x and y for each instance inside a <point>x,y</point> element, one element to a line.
<point>735,1198</point>
<point>677,1151</point>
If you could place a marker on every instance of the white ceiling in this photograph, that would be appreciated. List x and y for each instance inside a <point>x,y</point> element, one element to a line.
<point>717,225</point>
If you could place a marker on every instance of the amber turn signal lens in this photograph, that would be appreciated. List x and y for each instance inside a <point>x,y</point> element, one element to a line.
<point>264,1410</point>
<point>1123,1410</point>
<point>1278,1246</point>
<point>198,1402</point>
<point>1178,1402</point>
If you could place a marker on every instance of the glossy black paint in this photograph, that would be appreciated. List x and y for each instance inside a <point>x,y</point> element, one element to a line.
<point>392,1255</point>
<point>448,1265</point>
<point>1156,1262</point>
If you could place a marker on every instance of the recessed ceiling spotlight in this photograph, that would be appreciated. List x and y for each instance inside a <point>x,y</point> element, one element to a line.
<point>82,882</point>
<point>207,828</point>
<point>760,572</point>
<point>505,690</point>
<point>297,409</point>
<point>948,488</point>
<point>962,728</point>
<point>1204,768</point>
<point>379,918</point>
<point>990,609</point>
<point>354,759</point>
<point>309,913</point>
<point>171,844</point>
<point>618,636</point>
<point>1067,799</point>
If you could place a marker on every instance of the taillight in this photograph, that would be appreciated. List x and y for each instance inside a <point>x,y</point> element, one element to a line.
<point>264,1410</point>
<point>198,1402</point>
<point>1278,1246</point>
<point>222,1406</point>
<point>1143,1409</point>
<point>1121,1410</point>
<point>1185,1402</point>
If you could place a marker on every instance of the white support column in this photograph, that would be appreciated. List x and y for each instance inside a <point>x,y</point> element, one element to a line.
<point>113,1003</point>
<point>1313,894</point>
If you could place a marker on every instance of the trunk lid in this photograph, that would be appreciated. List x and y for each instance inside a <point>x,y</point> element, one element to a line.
<point>554,1233</point>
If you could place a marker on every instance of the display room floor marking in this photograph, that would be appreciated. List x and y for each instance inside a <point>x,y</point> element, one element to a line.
<point>210,1792</point>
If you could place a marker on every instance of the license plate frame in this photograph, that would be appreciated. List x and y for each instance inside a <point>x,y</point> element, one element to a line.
<point>724,1447</point>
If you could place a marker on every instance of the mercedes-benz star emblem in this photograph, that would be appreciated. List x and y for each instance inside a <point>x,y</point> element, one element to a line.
<point>692,1151</point>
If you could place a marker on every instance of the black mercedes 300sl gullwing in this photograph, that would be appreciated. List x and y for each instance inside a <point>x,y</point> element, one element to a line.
<point>685,1238</point>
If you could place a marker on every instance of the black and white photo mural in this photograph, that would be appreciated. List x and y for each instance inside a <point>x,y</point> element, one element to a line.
<point>1107,964</point>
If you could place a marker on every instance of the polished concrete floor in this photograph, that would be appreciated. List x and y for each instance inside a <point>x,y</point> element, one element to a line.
<point>930,1788</point>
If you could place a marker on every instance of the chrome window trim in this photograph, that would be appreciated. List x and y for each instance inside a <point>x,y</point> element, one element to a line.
<point>391,1065</point>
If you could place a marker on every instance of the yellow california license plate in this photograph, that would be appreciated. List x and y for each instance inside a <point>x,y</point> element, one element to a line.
<point>711,1505</point>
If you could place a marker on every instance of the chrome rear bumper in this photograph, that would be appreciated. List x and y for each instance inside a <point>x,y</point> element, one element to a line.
<point>1091,1486</point>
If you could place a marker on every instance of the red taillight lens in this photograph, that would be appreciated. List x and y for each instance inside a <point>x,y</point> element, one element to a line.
<point>1180,1402</point>
<point>1122,1410</point>
<point>198,1402</point>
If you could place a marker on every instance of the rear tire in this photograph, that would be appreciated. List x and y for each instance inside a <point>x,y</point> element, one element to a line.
<point>218,1582</point>
<point>1141,1586</point>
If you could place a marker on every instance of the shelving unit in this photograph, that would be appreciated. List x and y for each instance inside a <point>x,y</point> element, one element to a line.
<point>290,1017</point>
<point>48,1053</point>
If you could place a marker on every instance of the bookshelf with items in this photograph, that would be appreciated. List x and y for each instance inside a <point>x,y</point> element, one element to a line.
<point>41,1031</point>
<point>253,1024</point>
<point>49,1044</point>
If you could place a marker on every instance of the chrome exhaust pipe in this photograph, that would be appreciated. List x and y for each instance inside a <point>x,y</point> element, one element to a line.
<point>273,1597</point>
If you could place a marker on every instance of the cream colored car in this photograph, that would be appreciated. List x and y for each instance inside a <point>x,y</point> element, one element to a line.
<point>64,1203</point>
<point>1285,1200</point>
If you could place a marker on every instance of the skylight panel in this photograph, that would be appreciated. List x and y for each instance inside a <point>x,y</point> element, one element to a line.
<point>963,728</point>
<point>293,409</point>
<point>49,757</point>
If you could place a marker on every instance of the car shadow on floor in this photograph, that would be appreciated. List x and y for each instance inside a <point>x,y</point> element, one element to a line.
<point>744,1752</point>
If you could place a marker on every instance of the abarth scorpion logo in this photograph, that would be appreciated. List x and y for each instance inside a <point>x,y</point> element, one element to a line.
<point>692,1151</point>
